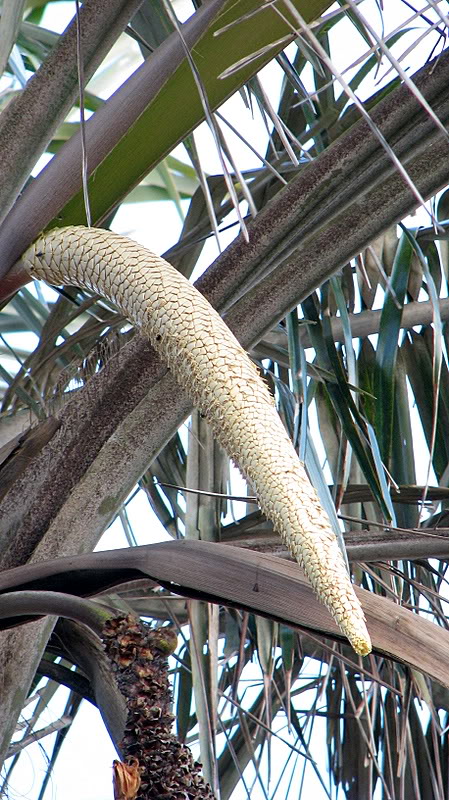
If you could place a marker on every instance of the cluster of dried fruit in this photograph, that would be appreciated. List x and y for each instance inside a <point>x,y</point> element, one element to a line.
<point>156,764</point>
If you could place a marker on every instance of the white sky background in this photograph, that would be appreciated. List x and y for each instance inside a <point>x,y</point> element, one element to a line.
<point>84,768</point>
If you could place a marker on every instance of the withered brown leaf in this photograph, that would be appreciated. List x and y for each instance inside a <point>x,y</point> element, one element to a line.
<point>126,779</point>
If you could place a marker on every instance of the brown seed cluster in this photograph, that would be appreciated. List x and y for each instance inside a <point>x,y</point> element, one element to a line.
<point>138,656</point>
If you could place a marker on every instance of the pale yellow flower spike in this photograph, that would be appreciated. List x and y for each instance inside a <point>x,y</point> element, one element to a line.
<point>209,363</point>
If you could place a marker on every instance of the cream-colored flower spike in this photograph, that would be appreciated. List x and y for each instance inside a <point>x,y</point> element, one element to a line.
<point>212,367</point>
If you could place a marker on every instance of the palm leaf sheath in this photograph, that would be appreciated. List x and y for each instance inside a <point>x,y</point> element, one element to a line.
<point>222,382</point>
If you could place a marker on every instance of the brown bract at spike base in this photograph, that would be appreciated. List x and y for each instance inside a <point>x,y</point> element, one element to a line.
<point>212,367</point>
<point>126,779</point>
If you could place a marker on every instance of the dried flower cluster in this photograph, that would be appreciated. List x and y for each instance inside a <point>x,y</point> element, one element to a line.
<point>138,656</point>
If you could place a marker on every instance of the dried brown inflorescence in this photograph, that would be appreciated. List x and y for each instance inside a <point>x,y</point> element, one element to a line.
<point>155,764</point>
